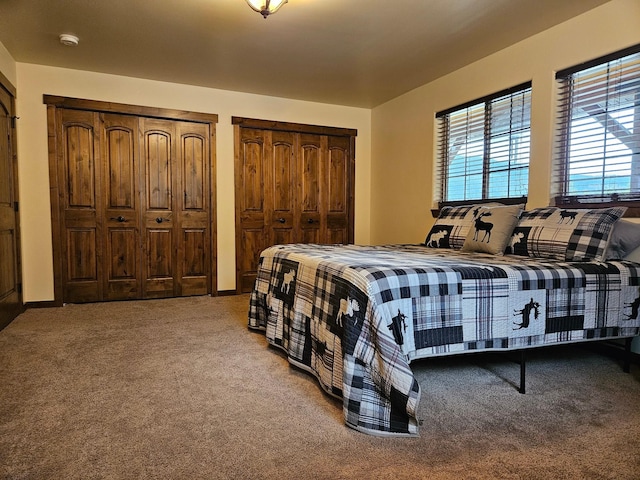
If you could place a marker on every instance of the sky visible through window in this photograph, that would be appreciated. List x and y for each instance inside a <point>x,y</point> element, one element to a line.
<point>598,161</point>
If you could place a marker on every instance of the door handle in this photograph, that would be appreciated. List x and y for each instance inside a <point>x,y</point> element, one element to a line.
<point>119,218</point>
<point>281,220</point>
<point>160,220</point>
<point>310,221</point>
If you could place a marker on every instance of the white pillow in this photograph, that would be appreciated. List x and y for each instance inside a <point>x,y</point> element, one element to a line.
<point>624,239</point>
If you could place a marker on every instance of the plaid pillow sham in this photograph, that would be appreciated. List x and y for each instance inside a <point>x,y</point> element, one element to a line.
<point>572,235</point>
<point>452,226</point>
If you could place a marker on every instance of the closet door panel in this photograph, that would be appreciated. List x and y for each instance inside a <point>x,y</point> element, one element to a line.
<point>311,159</point>
<point>158,266</point>
<point>79,172</point>
<point>122,254</point>
<point>192,220</point>
<point>282,216</point>
<point>158,263</point>
<point>158,166</point>
<point>83,265</point>
<point>253,243</point>
<point>121,212</point>
<point>253,202</point>
<point>339,188</point>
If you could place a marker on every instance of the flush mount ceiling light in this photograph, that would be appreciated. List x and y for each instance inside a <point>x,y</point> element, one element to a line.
<point>69,40</point>
<point>266,7</point>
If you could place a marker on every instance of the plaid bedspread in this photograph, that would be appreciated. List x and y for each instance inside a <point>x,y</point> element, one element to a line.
<point>356,316</point>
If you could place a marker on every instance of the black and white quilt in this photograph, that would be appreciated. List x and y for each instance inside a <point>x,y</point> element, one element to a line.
<point>356,316</point>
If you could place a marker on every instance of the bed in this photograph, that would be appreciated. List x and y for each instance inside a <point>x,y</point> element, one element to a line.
<point>357,316</point>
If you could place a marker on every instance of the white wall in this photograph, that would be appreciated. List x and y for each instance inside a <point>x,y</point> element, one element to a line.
<point>7,65</point>
<point>403,130</point>
<point>36,80</point>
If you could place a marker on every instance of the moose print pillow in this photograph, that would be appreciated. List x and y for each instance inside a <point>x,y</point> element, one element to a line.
<point>452,226</point>
<point>491,229</point>
<point>566,234</point>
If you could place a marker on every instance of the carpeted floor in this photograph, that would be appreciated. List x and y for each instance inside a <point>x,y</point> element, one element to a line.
<point>181,389</point>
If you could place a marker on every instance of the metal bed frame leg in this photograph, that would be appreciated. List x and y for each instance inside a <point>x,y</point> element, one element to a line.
<point>523,367</point>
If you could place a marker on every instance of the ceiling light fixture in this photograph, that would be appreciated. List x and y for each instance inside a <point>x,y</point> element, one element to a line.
<point>69,40</point>
<point>266,7</point>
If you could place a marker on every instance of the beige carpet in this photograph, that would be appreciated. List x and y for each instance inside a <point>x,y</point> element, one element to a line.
<point>181,389</point>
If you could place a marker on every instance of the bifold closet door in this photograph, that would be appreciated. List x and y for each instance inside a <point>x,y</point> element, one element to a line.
<point>80,198</point>
<point>267,204</point>
<point>339,178</point>
<point>121,214</point>
<point>291,187</point>
<point>176,228</point>
<point>136,207</point>
<point>253,187</point>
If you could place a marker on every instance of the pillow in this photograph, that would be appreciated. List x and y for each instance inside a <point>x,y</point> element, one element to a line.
<point>624,238</point>
<point>572,235</point>
<point>492,228</point>
<point>633,256</point>
<point>452,226</point>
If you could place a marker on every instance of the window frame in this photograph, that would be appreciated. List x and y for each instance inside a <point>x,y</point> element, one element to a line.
<point>566,91</point>
<point>442,156</point>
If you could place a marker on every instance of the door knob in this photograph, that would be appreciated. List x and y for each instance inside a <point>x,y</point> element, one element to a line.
<point>119,218</point>
<point>160,220</point>
<point>310,221</point>
<point>281,220</point>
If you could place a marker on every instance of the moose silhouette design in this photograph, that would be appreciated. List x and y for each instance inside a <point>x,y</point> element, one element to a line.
<point>482,226</point>
<point>526,314</point>
<point>566,214</point>
<point>398,324</point>
<point>436,237</point>
<point>516,238</point>
<point>286,281</point>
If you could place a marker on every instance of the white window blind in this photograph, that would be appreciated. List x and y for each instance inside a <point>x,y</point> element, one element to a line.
<point>598,146</point>
<point>484,148</point>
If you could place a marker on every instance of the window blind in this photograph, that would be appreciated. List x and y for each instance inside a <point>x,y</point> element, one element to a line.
<point>597,156</point>
<point>484,148</point>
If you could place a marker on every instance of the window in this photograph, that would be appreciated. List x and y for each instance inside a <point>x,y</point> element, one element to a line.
<point>484,148</point>
<point>598,145</point>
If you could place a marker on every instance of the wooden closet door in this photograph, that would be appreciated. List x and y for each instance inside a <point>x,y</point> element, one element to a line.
<point>339,178</point>
<point>121,213</point>
<point>159,262</point>
<point>10,295</point>
<point>131,196</point>
<point>311,187</point>
<point>80,200</point>
<point>292,185</point>
<point>253,202</point>
<point>281,205</point>
<point>192,214</point>
<point>176,209</point>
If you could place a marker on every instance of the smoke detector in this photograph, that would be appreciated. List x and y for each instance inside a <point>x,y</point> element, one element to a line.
<point>69,40</point>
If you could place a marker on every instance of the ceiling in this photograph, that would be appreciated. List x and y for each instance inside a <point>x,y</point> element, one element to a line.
<point>348,52</point>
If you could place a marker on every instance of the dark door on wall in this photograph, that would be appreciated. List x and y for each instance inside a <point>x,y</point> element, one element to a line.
<point>294,184</point>
<point>134,206</point>
<point>10,275</point>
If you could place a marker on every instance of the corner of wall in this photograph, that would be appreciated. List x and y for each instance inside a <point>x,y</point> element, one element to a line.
<point>8,65</point>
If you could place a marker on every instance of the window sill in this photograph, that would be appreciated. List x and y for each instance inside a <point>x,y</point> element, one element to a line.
<point>633,206</point>
<point>435,212</point>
